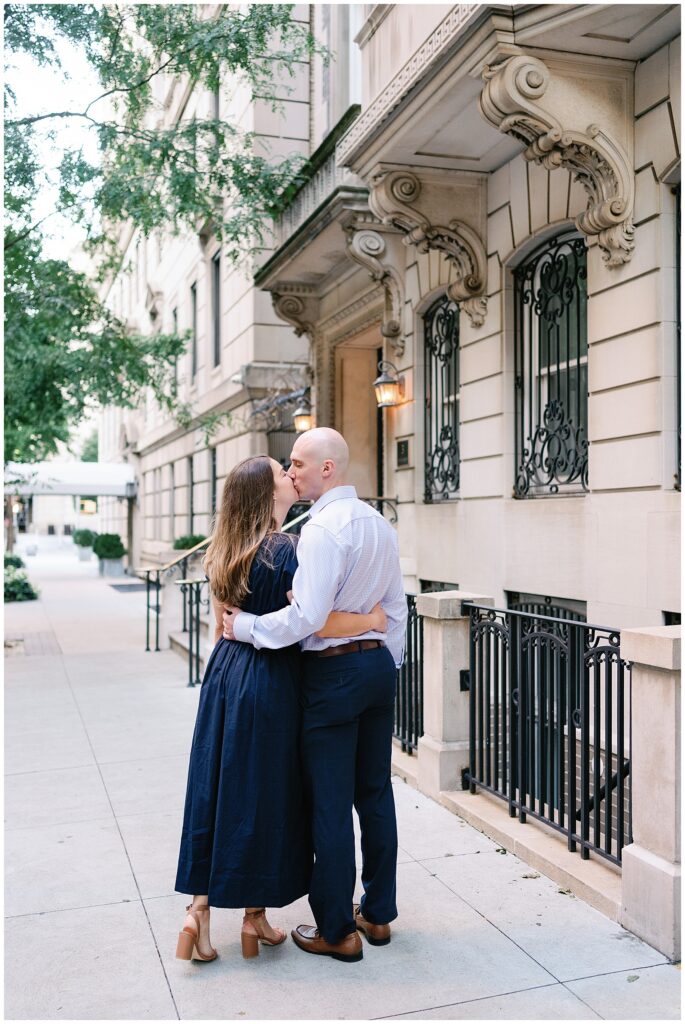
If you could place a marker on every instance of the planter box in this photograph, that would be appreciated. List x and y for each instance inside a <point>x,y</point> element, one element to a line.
<point>84,554</point>
<point>112,567</point>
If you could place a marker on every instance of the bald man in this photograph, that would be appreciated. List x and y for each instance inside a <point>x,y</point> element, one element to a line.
<point>347,561</point>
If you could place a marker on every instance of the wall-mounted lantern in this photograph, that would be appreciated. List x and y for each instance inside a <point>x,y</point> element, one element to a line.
<point>303,418</point>
<point>389,386</point>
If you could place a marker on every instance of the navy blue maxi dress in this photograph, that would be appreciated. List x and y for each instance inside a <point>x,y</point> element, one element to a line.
<point>246,834</point>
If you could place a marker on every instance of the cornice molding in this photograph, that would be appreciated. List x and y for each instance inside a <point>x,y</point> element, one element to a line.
<point>361,305</point>
<point>374,248</point>
<point>428,54</point>
<point>393,197</point>
<point>513,102</point>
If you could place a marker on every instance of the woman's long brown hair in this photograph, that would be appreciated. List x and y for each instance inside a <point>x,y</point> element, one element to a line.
<point>244,519</point>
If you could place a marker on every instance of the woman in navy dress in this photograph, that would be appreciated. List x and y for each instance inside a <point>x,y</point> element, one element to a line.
<point>246,834</point>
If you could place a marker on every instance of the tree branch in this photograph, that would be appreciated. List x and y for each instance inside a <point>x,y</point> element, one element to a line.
<point>9,244</point>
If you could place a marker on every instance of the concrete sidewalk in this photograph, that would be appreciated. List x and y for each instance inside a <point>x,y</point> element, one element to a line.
<point>97,740</point>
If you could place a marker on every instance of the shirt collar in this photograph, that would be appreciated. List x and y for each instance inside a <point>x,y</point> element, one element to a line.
<point>335,494</point>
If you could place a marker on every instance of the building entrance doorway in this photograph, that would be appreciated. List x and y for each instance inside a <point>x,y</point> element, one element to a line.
<point>357,416</point>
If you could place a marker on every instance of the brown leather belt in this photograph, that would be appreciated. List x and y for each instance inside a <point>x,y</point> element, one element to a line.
<point>354,645</point>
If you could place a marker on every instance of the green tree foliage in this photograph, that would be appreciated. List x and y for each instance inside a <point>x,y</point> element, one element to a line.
<point>64,350</point>
<point>89,452</point>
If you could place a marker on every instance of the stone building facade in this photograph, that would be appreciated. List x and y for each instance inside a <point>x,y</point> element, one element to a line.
<point>491,206</point>
<point>514,255</point>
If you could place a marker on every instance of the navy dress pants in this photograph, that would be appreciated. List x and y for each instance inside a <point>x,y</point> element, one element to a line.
<point>348,709</point>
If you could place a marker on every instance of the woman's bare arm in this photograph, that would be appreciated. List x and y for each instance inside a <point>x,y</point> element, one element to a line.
<point>219,623</point>
<point>353,624</point>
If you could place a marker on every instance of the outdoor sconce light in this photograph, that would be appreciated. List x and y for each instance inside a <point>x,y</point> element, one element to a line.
<point>389,387</point>
<point>302,417</point>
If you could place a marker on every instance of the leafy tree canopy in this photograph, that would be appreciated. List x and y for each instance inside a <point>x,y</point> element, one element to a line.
<point>89,452</point>
<point>64,350</point>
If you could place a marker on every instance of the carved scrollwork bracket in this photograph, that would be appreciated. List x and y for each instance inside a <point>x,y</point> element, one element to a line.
<point>299,307</point>
<point>373,250</point>
<point>392,199</point>
<point>512,101</point>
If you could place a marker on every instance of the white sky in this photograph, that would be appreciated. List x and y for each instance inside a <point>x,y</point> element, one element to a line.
<point>42,90</point>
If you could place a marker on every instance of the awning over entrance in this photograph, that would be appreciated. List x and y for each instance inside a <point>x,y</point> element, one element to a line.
<point>101,479</point>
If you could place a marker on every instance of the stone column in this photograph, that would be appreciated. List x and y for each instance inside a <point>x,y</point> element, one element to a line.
<point>651,863</point>
<point>443,750</point>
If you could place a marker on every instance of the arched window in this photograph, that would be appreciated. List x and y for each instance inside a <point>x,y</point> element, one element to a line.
<point>441,360</point>
<point>550,370</point>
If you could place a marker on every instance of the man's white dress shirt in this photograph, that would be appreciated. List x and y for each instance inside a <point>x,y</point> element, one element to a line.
<point>348,560</point>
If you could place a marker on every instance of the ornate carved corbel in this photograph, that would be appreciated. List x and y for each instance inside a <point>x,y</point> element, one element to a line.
<point>298,306</point>
<point>392,196</point>
<point>511,101</point>
<point>369,247</point>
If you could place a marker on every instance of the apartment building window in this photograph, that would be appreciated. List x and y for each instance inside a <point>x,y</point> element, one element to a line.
<point>212,482</point>
<point>193,328</point>
<point>174,327</point>
<point>441,436</point>
<point>157,504</point>
<point>216,307</point>
<point>436,586</point>
<point>191,495</point>
<point>550,369</point>
<point>172,504</point>
<point>554,607</point>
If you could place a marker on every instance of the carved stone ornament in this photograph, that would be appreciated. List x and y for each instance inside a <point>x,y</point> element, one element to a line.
<point>391,198</point>
<point>298,308</point>
<point>511,101</point>
<point>369,248</point>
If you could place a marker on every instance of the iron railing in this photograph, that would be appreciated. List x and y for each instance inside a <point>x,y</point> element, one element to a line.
<point>441,417</point>
<point>154,577</point>
<point>194,601</point>
<point>549,713</point>
<point>409,695</point>
<point>550,369</point>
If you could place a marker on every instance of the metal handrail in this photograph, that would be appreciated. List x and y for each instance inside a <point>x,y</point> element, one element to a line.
<point>293,522</point>
<point>170,565</point>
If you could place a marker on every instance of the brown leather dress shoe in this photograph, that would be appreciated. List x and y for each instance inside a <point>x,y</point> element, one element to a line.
<point>349,949</point>
<point>377,934</point>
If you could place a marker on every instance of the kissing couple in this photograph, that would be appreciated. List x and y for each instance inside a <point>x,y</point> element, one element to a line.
<point>295,717</point>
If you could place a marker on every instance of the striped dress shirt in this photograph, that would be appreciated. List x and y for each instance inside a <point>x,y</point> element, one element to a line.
<point>348,560</point>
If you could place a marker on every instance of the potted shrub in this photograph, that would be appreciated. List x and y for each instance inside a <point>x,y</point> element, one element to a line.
<point>110,551</point>
<point>84,540</point>
<point>18,586</point>
<point>188,541</point>
<point>13,562</point>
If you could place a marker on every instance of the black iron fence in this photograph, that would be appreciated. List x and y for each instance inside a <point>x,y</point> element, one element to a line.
<point>549,705</point>
<point>409,697</point>
<point>196,599</point>
<point>155,578</point>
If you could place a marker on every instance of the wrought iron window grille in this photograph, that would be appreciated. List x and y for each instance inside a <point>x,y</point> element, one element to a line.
<point>550,369</point>
<point>441,422</point>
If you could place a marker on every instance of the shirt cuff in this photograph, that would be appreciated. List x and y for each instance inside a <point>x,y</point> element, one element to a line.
<point>242,627</point>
